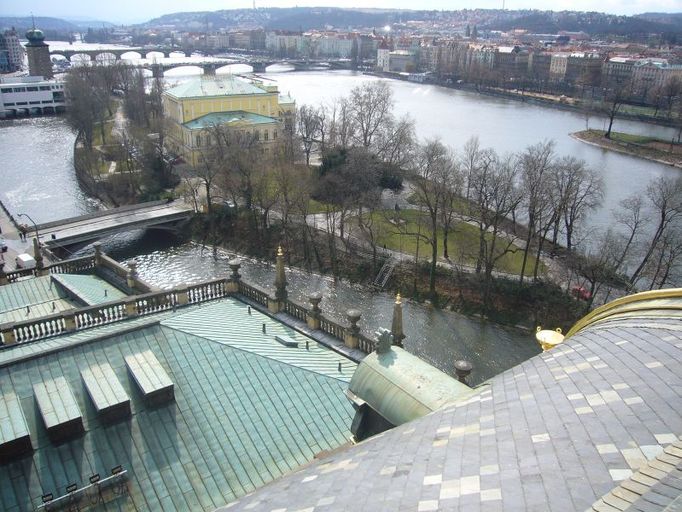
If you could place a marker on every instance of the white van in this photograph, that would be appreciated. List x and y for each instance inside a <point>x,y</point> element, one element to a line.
<point>25,261</point>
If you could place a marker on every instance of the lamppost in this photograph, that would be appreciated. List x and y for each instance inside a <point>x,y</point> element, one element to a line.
<point>35,226</point>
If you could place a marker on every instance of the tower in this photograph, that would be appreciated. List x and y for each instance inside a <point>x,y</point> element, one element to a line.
<point>39,63</point>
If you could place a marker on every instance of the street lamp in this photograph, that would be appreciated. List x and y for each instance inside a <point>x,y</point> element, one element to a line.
<point>35,226</point>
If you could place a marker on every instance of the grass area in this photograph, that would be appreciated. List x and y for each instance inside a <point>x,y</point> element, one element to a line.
<point>459,204</point>
<point>462,241</point>
<point>318,207</point>
<point>97,134</point>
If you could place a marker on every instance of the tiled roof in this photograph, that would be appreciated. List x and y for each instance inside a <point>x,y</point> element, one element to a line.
<point>554,433</point>
<point>656,486</point>
<point>242,415</point>
<point>228,85</point>
<point>234,117</point>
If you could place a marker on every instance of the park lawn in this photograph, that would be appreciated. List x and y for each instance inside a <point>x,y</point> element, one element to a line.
<point>628,138</point>
<point>462,241</point>
<point>97,133</point>
<point>460,203</point>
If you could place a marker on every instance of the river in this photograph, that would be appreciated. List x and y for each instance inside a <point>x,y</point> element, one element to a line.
<point>37,178</point>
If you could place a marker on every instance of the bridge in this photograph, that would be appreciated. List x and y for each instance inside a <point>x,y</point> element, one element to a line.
<point>118,52</point>
<point>74,230</point>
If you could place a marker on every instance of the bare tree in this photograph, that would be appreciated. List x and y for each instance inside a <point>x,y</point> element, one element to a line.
<point>308,129</point>
<point>536,167</point>
<point>665,197</point>
<point>614,100</point>
<point>433,167</point>
<point>371,106</point>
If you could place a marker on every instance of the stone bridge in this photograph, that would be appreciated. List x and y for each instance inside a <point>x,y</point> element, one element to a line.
<point>74,230</point>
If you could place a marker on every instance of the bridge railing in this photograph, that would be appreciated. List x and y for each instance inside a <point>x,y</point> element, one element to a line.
<point>102,213</point>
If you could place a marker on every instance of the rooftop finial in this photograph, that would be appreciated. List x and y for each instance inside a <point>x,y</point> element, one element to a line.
<point>33,20</point>
<point>397,299</point>
<point>280,252</point>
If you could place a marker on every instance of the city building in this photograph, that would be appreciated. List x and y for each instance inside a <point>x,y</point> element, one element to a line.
<point>31,95</point>
<point>12,50</point>
<point>402,61</point>
<point>383,57</point>
<point>247,106</point>
<point>650,75</point>
<point>39,63</point>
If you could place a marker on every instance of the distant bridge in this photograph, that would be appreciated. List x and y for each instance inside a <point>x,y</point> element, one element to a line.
<point>85,228</point>
<point>118,52</point>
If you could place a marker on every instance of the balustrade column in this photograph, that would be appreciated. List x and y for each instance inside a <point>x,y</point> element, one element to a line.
<point>183,297</point>
<point>70,321</point>
<point>98,253</point>
<point>351,335</point>
<point>314,314</point>
<point>8,334</point>
<point>131,307</point>
<point>276,305</point>
<point>232,284</point>
<point>131,276</point>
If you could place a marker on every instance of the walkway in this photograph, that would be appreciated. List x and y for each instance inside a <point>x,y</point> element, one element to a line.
<point>15,245</point>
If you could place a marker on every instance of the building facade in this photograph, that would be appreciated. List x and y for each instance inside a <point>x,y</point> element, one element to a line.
<point>249,107</point>
<point>12,50</point>
<point>31,94</point>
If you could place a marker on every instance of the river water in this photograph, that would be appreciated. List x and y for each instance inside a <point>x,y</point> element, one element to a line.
<point>37,178</point>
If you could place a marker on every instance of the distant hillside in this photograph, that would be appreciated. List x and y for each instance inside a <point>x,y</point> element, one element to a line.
<point>22,24</point>
<point>292,18</point>
<point>665,18</point>
<point>593,23</point>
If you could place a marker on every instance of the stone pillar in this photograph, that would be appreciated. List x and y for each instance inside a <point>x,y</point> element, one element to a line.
<point>209,69</point>
<point>38,255</point>
<point>157,71</point>
<point>313,315</point>
<point>98,253</point>
<point>397,325</point>
<point>352,335</point>
<point>232,284</point>
<point>131,277</point>
<point>3,275</point>
<point>8,334</point>
<point>70,320</point>
<point>181,292</point>
<point>131,307</point>
<point>280,278</point>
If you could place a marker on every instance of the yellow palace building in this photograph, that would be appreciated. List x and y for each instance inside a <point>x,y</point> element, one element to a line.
<point>245,105</point>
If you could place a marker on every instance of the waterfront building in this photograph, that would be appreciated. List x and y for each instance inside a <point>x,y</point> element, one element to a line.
<point>383,57</point>
<point>584,68</point>
<point>652,74</point>
<point>402,61</point>
<point>38,52</point>
<point>31,95</point>
<point>617,71</point>
<point>557,66</point>
<point>12,50</point>
<point>539,65</point>
<point>248,106</point>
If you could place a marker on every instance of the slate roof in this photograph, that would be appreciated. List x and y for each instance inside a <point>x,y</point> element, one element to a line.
<point>227,118</point>
<point>227,85</point>
<point>242,415</point>
<point>554,433</point>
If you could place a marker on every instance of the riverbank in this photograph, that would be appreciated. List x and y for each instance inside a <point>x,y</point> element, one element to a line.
<point>559,102</point>
<point>647,148</point>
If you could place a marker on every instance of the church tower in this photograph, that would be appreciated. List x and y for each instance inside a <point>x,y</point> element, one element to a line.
<point>39,63</point>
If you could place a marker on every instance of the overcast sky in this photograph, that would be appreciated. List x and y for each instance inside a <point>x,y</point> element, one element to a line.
<point>131,11</point>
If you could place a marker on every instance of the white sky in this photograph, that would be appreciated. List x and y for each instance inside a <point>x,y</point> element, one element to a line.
<point>132,11</point>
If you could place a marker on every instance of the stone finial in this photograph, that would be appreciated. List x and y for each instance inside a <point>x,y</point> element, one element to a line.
<point>280,277</point>
<point>397,324</point>
<point>384,340</point>
<point>235,265</point>
<point>462,370</point>
<point>315,298</point>
<point>353,316</point>
<point>131,277</point>
<point>3,274</point>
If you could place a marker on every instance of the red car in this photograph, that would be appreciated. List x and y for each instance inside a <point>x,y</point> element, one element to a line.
<point>581,293</point>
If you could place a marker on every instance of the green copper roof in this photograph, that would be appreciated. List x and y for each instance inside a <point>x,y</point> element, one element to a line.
<point>39,294</point>
<point>214,86</point>
<point>240,419</point>
<point>90,289</point>
<point>401,387</point>
<point>228,322</point>
<point>227,118</point>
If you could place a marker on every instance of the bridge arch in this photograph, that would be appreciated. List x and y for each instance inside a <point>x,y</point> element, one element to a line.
<point>131,55</point>
<point>105,56</point>
<point>82,57</point>
<point>235,68</point>
<point>154,54</point>
<point>182,69</point>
